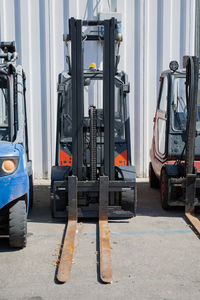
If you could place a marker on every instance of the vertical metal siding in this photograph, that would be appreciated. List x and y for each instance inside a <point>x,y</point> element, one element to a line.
<point>154,32</point>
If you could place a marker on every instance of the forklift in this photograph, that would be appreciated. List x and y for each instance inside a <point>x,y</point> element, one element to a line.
<point>93,176</point>
<point>16,182</point>
<point>175,150</point>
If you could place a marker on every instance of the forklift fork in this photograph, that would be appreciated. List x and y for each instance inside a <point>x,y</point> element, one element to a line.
<point>64,268</point>
<point>190,196</point>
<point>104,245</point>
<point>193,220</point>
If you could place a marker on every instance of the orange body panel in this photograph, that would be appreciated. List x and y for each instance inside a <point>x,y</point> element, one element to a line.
<point>121,159</point>
<point>64,159</point>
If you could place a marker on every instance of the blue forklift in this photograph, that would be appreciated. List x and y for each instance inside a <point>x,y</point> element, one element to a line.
<point>16,182</point>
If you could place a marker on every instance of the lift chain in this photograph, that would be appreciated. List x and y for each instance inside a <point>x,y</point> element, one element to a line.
<point>93,142</point>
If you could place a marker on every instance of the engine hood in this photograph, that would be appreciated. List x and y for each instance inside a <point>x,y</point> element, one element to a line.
<point>8,149</point>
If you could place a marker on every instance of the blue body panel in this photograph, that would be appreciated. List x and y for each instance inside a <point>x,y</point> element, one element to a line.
<point>16,184</point>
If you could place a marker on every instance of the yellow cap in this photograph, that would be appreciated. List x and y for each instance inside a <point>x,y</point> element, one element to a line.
<point>93,66</point>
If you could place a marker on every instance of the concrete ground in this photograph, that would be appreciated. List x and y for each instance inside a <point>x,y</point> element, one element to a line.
<point>154,256</point>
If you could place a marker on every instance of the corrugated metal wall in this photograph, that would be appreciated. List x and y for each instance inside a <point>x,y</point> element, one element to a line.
<point>154,31</point>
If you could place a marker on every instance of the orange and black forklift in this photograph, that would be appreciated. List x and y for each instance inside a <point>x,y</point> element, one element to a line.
<point>93,176</point>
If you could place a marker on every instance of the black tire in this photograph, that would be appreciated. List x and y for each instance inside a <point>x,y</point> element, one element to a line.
<point>153,180</point>
<point>164,188</point>
<point>18,224</point>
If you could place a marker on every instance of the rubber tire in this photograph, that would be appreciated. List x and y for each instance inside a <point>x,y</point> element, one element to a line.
<point>164,190</point>
<point>153,180</point>
<point>18,224</point>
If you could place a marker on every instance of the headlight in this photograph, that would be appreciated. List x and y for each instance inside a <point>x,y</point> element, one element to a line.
<point>8,165</point>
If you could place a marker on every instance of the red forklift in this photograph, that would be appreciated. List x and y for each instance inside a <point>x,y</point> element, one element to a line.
<point>175,150</point>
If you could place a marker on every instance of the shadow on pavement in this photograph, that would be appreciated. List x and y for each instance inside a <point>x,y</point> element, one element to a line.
<point>148,204</point>
<point>41,211</point>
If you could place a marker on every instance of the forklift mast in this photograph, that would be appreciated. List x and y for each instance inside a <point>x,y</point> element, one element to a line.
<point>75,35</point>
<point>192,78</point>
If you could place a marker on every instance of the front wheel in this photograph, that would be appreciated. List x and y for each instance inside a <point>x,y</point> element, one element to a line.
<point>18,224</point>
<point>164,190</point>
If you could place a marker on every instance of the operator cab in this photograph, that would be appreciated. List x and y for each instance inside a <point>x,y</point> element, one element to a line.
<point>170,120</point>
<point>179,105</point>
<point>13,124</point>
<point>93,83</point>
